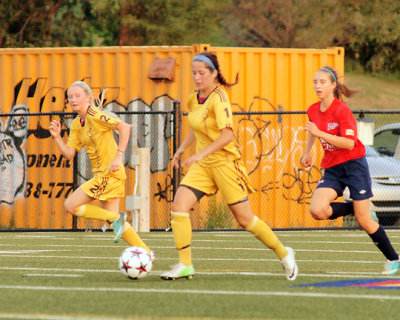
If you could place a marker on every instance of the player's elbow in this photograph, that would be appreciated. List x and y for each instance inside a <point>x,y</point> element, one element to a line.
<point>69,156</point>
<point>228,135</point>
<point>125,127</point>
<point>350,145</point>
<point>69,153</point>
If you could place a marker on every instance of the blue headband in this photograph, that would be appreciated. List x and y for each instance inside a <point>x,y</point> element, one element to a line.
<point>201,57</point>
<point>333,76</point>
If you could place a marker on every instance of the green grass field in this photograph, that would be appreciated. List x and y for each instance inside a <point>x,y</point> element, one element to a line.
<point>75,276</point>
<point>375,93</point>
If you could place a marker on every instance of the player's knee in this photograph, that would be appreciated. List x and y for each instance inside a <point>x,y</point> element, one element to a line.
<point>242,223</point>
<point>69,207</point>
<point>180,205</point>
<point>319,213</point>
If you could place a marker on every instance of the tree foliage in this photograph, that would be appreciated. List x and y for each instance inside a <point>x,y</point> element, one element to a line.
<point>107,22</point>
<point>368,29</point>
<point>377,35</point>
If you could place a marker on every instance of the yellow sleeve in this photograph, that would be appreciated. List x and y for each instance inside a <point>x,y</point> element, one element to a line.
<point>104,119</point>
<point>222,110</point>
<point>74,140</point>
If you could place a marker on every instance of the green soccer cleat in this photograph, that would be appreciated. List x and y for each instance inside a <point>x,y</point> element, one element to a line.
<point>178,271</point>
<point>289,265</point>
<point>118,226</point>
<point>391,267</point>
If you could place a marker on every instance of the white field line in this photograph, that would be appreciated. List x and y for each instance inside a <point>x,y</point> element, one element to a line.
<point>41,316</point>
<point>368,242</point>
<point>106,236</point>
<point>115,246</point>
<point>222,259</point>
<point>44,237</point>
<point>329,274</point>
<point>197,259</point>
<point>298,233</point>
<point>59,275</point>
<point>207,292</point>
<point>33,251</point>
<point>202,259</point>
<point>254,249</point>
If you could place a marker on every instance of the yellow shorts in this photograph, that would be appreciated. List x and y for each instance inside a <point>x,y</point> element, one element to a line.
<point>104,188</point>
<point>231,179</point>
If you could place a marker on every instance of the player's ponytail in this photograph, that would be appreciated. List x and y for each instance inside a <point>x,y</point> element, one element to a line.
<point>220,78</point>
<point>341,89</point>
<point>99,101</point>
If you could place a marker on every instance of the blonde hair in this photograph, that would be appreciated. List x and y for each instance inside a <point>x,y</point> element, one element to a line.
<point>98,102</point>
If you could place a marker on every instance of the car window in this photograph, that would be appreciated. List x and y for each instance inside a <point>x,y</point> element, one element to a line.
<point>371,152</point>
<point>385,142</point>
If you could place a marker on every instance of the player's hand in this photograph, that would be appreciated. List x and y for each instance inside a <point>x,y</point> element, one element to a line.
<point>188,162</point>
<point>175,158</point>
<point>116,163</point>
<point>55,128</point>
<point>306,161</point>
<point>312,128</point>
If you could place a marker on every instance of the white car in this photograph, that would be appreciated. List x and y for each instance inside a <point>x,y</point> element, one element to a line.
<point>384,165</point>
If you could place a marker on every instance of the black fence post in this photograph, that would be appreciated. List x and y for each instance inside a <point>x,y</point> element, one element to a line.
<point>75,182</point>
<point>176,172</point>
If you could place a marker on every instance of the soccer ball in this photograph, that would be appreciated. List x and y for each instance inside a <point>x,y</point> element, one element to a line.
<point>135,263</point>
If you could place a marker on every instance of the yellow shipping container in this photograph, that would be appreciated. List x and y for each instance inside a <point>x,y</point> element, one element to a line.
<point>36,178</point>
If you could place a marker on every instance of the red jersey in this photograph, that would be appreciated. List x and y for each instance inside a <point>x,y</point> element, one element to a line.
<point>339,121</point>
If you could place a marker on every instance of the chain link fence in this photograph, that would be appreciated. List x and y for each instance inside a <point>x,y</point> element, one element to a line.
<point>36,179</point>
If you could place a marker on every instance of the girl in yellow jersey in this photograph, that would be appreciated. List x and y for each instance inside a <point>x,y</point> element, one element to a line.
<point>216,165</point>
<point>93,130</point>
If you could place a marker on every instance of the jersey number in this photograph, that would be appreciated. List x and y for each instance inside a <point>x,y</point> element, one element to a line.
<point>227,112</point>
<point>103,117</point>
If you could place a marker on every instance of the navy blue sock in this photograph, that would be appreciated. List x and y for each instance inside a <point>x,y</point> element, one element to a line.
<point>341,209</point>
<point>383,243</point>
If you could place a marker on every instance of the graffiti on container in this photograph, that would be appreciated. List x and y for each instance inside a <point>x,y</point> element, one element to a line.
<point>12,156</point>
<point>164,190</point>
<point>271,145</point>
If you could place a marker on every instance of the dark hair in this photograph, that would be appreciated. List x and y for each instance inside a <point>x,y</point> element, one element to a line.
<point>220,78</point>
<point>341,89</point>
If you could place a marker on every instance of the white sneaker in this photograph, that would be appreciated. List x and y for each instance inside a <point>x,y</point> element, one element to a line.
<point>289,265</point>
<point>178,271</point>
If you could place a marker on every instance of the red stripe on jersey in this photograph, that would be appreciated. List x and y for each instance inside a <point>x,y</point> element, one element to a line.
<point>101,189</point>
<point>91,111</point>
<point>221,94</point>
<point>240,172</point>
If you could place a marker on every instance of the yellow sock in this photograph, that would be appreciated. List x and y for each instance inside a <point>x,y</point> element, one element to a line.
<point>264,233</point>
<point>132,238</point>
<point>182,229</point>
<point>89,211</point>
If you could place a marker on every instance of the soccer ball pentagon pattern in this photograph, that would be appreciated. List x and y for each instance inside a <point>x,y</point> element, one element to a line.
<point>135,263</point>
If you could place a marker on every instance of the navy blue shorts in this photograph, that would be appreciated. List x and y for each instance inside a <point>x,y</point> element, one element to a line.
<point>353,174</point>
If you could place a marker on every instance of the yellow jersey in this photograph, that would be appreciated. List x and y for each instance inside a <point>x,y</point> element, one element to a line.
<point>95,134</point>
<point>207,119</point>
